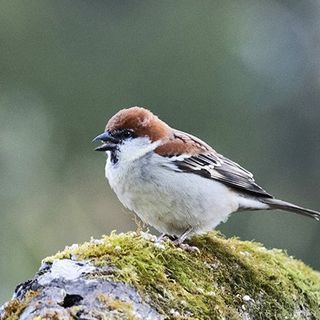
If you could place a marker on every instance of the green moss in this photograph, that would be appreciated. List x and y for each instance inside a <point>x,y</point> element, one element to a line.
<point>226,279</point>
<point>118,306</point>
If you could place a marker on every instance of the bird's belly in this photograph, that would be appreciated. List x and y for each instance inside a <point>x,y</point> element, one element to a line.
<point>172,202</point>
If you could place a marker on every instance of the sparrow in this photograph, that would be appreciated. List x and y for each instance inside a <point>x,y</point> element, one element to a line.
<point>174,181</point>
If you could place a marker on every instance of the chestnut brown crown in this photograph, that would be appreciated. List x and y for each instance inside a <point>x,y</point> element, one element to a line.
<point>142,121</point>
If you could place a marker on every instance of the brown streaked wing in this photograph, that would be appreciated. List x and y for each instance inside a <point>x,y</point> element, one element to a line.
<point>201,159</point>
<point>217,167</point>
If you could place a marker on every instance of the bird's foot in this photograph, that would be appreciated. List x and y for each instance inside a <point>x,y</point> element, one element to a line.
<point>186,247</point>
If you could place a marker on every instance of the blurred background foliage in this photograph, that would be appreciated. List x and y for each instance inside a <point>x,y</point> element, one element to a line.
<point>242,75</point>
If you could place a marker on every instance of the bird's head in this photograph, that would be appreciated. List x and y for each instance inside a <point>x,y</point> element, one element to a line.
<point>134,130</point>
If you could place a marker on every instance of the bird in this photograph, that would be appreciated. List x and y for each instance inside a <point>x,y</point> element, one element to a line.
<point>174,181</point>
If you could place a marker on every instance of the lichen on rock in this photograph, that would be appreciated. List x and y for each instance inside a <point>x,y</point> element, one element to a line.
<point>131,276</point>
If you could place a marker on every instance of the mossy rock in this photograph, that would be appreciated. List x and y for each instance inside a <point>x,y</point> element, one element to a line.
<point>225,279</point>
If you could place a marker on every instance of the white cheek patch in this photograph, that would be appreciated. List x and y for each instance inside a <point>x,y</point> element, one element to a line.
<point>136,148</point>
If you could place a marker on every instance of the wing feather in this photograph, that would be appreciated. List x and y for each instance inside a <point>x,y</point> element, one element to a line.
<point>217,167</point>
<point>195,156</point>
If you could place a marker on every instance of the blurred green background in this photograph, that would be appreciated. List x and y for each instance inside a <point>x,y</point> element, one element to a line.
<point>242,75</point>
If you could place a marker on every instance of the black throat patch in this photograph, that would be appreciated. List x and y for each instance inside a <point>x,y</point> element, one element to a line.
<point>114,156</point>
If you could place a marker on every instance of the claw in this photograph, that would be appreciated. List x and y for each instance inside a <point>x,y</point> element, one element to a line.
<point>188,248</point>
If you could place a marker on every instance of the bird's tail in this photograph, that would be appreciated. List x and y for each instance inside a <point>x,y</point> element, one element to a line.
<point>287,206</point>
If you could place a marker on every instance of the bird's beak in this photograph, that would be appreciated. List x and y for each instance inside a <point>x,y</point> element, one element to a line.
<point>109,143</point>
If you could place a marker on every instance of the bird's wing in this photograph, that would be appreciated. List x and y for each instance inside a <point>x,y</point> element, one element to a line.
<point>209,164</point>
<point>217,167</point>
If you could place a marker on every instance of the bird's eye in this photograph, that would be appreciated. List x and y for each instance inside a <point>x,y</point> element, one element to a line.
<point>127,133</point>
<point>124,134</point>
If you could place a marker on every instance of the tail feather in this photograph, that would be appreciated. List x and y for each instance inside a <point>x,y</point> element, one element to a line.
<point>287,206</point>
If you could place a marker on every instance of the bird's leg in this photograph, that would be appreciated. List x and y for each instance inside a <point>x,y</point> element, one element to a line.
<point>185,246</point>
<point>164,236</point>
<point>183,236</point>
<point>161,237</point>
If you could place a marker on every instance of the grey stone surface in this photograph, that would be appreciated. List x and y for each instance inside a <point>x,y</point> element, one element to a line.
<point>72,289</point>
